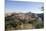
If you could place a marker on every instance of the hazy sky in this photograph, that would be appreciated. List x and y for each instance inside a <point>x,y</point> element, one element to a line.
<point>24,6</point>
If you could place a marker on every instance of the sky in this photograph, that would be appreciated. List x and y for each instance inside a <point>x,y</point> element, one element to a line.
<point>24,6</point>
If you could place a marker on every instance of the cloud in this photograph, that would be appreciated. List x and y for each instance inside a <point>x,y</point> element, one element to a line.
<point>17,11</point>
<point>36,11</point>
<point>22,11</point>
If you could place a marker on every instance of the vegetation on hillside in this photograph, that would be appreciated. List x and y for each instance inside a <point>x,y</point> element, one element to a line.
<point>12,23</point>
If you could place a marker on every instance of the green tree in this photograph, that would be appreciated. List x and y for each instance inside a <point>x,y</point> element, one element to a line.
<point>42,8</point>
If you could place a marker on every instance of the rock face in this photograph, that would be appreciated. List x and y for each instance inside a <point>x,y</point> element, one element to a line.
<point>24,26</point>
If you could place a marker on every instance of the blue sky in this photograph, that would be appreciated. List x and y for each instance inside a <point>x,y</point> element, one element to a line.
<point>23,6</point>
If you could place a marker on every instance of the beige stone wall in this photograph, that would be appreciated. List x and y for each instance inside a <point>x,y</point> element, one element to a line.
<point>24,26</point>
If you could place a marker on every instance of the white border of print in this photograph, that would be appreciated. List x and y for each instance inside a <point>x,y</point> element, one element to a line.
<point>1,15</point>
<point>2,21</point>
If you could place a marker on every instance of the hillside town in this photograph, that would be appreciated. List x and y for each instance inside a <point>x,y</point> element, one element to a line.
<point>16,21</point>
